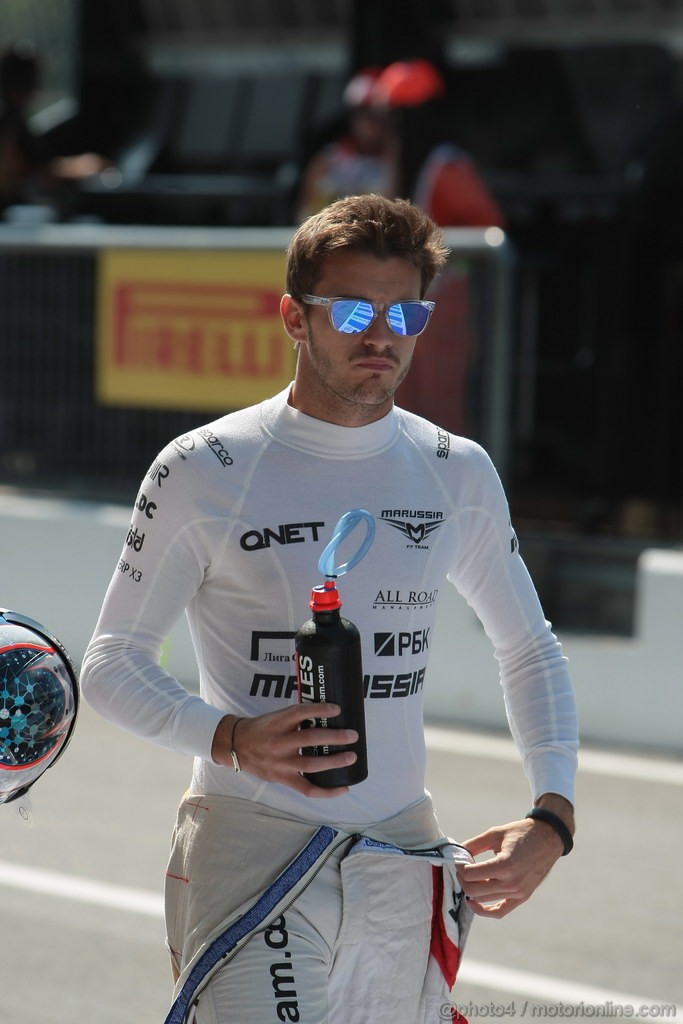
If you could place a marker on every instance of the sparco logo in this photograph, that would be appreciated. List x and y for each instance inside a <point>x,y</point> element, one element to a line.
<point>286,533</point>
<point>216,446</point>
<point>443,443</point>
<point>418,532</point>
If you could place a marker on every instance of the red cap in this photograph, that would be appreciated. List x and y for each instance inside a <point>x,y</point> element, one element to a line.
<point>408,84</point>
<point>325,598</point>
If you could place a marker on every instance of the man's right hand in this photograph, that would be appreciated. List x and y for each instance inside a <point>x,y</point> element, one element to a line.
<point>269,746</point>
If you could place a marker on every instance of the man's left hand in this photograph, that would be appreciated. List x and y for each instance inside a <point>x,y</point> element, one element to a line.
<point>523,854</point>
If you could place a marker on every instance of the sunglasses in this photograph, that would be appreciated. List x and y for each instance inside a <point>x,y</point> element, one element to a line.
<point>353,316</point>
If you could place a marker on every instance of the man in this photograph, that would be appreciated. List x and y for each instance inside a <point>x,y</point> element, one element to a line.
<point>229,525</point>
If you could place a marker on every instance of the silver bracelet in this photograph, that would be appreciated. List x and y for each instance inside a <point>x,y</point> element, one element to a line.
<point>233,753</point>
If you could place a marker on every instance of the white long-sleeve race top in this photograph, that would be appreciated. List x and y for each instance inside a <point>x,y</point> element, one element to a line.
<point>229,525</point>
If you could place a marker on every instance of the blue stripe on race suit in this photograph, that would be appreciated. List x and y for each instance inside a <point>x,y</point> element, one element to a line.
<point>271,900</point>
<point>250,920</point>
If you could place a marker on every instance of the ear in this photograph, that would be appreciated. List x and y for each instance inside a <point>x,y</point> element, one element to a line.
<point>293,318</point>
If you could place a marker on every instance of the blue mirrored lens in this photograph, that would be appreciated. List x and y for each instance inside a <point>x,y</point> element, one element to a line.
<point>351,316</point>
<point>407,318</point>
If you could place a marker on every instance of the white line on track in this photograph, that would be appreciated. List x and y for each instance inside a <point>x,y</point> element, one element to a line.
<point>474,972</point>
<point>594,1001</point>
<point>82,890</point>
<point>597,762</point>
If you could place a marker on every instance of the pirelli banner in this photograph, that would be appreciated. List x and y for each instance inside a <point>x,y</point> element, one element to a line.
<point>190,329</point>
<point>188,320</point>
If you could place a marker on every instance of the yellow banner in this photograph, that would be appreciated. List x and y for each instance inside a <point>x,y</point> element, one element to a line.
<point>191,330</point>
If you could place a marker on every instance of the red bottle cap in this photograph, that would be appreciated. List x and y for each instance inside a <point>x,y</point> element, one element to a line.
<point>325,598</point>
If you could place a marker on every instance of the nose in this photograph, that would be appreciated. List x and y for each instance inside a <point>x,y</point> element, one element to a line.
<point>379,333</point>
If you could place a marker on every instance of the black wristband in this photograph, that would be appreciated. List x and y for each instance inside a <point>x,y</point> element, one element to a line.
<point>555,822</point>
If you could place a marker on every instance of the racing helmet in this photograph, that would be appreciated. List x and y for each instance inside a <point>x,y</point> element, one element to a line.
<point>38,702</point>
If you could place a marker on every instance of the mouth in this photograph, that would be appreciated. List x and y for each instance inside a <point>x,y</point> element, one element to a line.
<point>377,365</point>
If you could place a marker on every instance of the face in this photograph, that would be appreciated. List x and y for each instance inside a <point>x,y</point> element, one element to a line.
<point>371,130</point>
<point>351,379</point>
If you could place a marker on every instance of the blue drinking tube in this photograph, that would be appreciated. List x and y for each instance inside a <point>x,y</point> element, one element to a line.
<point>346,524</point>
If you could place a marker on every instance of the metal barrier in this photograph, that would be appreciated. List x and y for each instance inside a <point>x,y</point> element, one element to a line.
<point>58,434</point>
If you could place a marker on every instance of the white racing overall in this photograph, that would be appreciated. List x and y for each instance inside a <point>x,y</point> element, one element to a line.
<point>228,527</point>
<point>351,928</point>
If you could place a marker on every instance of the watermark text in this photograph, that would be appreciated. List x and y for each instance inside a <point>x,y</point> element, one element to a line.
<point>551,1011</point>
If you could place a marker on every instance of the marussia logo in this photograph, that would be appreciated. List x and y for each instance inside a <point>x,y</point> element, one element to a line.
<point>416,533</point>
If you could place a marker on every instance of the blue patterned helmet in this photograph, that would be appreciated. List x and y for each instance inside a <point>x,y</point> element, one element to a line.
<point>38,702</point>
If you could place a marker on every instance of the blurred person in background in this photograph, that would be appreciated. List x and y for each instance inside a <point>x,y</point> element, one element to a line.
<point>432,170</point>
<point>363,160</point>
<point>397,144</point>
<point>29,171</point>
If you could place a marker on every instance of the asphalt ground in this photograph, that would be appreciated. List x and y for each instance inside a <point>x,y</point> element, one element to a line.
<point>80,890</point>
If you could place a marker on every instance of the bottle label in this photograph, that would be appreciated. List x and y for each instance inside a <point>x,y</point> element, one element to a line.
<point>312,689</point>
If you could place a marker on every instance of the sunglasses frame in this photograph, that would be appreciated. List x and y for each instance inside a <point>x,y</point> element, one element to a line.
<point>377,308</point>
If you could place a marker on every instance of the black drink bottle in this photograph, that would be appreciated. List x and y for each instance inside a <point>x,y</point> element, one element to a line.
<point>329,668</point>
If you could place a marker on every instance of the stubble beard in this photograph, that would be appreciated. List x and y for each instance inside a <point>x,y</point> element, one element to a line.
<point>368,394</point>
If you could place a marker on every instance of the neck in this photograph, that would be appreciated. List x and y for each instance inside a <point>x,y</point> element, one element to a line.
<point>346,404</point>
<point>324,404</point>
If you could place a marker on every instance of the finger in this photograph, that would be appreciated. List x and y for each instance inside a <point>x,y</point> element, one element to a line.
<point>300,712</point>
<point>317,737</point>
<point>307,786</point>
<point>501,908</point>
<point>481,870</point>
<point>485,909</point>
<point>489,840</point>
<point>489,892</point>
<point>311,765</point>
